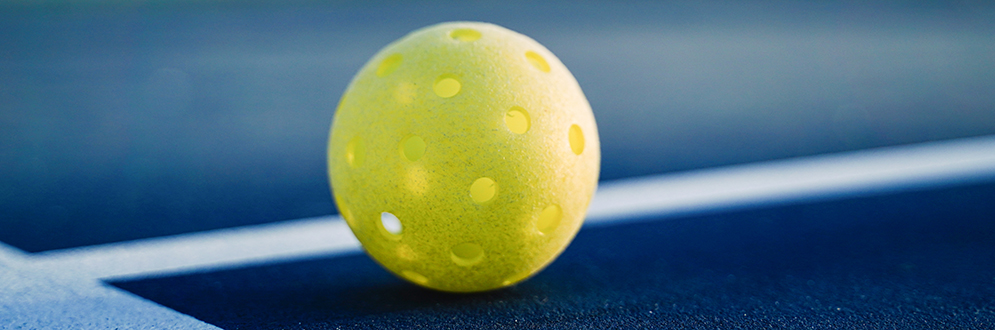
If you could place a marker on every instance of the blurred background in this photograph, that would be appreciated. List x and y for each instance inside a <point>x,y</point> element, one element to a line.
<point>124,120</point>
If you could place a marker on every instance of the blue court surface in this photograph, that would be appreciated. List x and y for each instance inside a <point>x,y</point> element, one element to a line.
<point>764,165</point>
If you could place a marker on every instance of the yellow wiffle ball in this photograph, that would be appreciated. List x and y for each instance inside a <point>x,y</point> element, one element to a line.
<point>463,156</point>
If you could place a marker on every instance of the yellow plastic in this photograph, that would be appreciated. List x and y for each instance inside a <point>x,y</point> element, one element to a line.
<point>480,143</point>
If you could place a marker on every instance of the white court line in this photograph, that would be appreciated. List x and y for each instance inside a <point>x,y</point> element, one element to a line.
<point>35,300</point>
<point>817,177</point>
<point>32,298</point>
<point>209,250</point>
<point>826,176</point>
<point>10,255</point>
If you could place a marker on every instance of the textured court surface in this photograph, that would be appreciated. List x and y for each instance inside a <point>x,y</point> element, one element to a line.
<point>765,165</point>
<point>866,263</point>
<point>903,238</point>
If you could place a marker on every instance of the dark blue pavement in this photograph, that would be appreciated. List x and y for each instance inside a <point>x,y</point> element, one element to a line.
<point>910,260</point>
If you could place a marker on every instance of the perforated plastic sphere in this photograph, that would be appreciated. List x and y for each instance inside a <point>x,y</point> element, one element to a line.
<point>463,156</point>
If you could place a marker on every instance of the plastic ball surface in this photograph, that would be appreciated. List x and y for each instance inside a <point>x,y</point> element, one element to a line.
<point>463,156</point>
